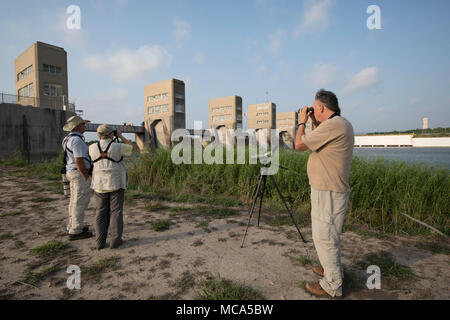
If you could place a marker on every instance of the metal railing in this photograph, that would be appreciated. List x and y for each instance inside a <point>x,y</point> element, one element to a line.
<point>92,127</point>
<point>56,103</point>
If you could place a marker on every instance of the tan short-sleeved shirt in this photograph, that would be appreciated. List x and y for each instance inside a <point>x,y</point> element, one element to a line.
<point>329,163</point>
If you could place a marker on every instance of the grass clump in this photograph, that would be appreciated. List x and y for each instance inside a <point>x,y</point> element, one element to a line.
<point>155,205</point>
<point>185,282</point>
<point>306,261</point>
<point>33,278</point>
<point>352,281</point>
<point>218,213</point>
<point>11,213</point>
<point>102,266</point>
<point>224,289</point>
<point>161,225</point>
<point>41,199</point>
<point>50,249</point>
<point>435,247</point>
<point>4,236</point>
<point>197,243</point>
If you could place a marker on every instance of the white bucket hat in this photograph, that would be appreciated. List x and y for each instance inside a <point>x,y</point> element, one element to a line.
<point>104,130</point>
<point>73,122</point>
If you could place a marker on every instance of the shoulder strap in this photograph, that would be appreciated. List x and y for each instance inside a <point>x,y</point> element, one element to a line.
<point>67,149</point>
<point>104,154</point>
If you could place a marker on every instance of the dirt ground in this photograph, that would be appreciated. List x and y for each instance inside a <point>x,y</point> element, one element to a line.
<point>173,263</point>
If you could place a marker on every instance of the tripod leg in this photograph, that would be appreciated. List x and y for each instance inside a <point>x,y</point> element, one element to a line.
<point>289,211</point>
<point>253,207</point>
<point>261,198</point>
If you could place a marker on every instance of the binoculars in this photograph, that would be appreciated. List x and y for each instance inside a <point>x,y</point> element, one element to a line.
<point>307,110</point>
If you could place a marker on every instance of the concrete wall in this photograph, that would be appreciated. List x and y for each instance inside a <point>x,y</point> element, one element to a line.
<point>37,132</point>
<point>404,140</point>
<point>384,140</point>
<point>431,142</point>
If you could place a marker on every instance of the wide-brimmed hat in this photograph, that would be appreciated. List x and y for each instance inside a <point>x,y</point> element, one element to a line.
<point>73,122</point>
<point>104,130</point>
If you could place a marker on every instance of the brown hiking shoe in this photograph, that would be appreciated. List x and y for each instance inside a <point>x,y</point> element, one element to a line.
<point>318,270</point>
<point>316,289</point>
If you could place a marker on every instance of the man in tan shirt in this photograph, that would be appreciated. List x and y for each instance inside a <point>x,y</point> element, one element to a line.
<point>331,144</point>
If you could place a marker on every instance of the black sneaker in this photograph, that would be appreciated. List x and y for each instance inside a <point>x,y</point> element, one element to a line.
<point>84,230</point>
<point>79,236</point>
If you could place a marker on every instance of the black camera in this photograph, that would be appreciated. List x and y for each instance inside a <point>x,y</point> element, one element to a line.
<point>309,109</point>
<point>115,133</point>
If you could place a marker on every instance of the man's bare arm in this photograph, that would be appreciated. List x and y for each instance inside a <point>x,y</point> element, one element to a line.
<point>303,117</point>
<point>299,145</point>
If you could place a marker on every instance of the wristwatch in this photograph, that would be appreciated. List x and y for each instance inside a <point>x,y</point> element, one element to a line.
<point>302,124</point>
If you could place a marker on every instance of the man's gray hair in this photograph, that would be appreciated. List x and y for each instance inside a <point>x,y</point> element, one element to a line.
<point>329,99</point>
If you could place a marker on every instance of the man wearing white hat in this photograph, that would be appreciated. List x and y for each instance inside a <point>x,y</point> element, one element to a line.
<point>109,181</point>
<point>78,166</point>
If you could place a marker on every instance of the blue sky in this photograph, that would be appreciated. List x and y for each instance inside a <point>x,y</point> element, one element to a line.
<point>387,79</point>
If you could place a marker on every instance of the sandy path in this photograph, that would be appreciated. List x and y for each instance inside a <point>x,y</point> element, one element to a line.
<point>171,264</point>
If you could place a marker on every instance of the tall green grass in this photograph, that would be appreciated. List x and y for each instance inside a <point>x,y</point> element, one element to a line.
<point>380,189</point>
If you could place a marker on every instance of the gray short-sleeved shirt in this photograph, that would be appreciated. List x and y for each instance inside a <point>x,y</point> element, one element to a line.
<point>75,142</point>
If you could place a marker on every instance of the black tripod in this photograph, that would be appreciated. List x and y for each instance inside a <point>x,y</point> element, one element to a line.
<point>259,192</point>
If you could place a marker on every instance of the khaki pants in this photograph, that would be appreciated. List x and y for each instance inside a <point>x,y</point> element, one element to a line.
<point>80,194</point>
<point>328,210</point>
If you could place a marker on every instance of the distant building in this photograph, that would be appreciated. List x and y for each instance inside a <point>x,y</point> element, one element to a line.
<point>286,125</point>
<point>262,116</point>
<point>425,123</point>
<point>225,112</point>
<point>41,72</point>
<point>165,110</point>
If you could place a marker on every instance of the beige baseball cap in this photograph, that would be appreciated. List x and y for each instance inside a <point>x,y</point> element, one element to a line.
<point>73,122</point>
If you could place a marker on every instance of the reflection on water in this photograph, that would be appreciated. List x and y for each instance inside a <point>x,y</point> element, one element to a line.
<point>435,157</point>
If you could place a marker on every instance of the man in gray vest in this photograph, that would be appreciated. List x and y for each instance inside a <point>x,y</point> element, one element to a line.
<point>78,165</point>
<point>331,144</point>
<point>109,181</point>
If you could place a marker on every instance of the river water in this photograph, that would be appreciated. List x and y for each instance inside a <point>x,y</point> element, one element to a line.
<point>435,157</point>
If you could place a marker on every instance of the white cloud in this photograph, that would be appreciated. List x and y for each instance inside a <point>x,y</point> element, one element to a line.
<point>182,32</point>
<point>128,64</point>
<point>275,40</point>
<point>315,16</point>
<point>109,104</point>
<point>321,75</point>
<point>366,78</point>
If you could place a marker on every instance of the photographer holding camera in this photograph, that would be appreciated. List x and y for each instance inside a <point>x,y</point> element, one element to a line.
<point>331,144</point>
<point>109,181</point>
